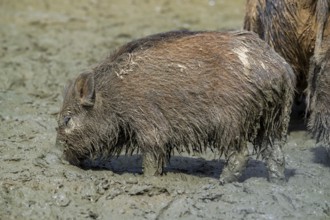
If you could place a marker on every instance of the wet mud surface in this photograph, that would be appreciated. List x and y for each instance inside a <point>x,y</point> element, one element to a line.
<point>45,43</point>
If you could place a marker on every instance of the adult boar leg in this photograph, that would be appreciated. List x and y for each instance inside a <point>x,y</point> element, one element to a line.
<point>318,97</point>
<point>153,164</point>
<point>275,161</point>
<point>236,162</point>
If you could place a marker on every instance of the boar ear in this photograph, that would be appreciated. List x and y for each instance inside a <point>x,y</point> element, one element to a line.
<point>85,89</point>
<point>66,88</point>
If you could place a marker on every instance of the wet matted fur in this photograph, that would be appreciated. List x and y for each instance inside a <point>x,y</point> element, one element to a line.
<point>179,91</point>
<point>299,30</point>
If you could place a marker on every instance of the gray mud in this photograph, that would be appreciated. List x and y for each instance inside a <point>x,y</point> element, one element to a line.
<point>45,43</point>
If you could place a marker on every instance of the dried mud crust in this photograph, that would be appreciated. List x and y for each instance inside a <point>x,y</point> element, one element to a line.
<point>45,43</point>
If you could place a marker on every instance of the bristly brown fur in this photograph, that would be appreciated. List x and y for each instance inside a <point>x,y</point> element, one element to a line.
<point>183,91</point>
<point>318,96</point>
<point>300,31</point>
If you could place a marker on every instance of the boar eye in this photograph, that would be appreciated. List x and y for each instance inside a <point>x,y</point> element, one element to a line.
<point>67,119</point>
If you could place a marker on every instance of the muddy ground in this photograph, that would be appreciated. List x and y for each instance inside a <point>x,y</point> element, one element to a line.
<point>44,43</point>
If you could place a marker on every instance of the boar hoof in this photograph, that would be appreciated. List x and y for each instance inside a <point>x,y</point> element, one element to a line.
<point>227,179</point>
<point>149,171</point>
<point>275,162</point>
<point>236,163</point>
<point>277,180</point>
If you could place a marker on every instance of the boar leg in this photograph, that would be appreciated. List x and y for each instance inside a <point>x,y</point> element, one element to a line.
<point>236,162</point>
<point>275,161</point>
<point>153,164</point>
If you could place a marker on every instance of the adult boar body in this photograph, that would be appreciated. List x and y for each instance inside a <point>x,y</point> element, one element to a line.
<point>299,30</point>
<point>180,91</point>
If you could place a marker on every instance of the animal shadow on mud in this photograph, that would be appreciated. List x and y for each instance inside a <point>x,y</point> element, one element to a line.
<point>320,155</point>
<point>196,166</point>
<point>298,123</point>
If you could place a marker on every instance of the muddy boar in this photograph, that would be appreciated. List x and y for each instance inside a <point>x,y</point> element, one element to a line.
<point>181,91</point>
<point>299,30</point>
